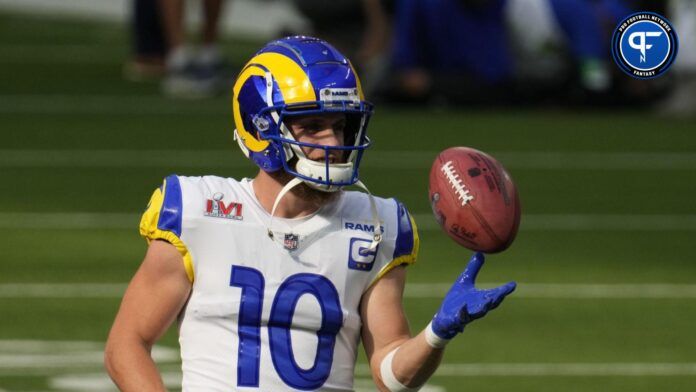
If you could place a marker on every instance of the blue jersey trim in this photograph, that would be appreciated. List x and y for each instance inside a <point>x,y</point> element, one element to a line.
<point>404,236</point>
<point>172,209</point>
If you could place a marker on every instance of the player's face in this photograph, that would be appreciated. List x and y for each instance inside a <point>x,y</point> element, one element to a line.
<point>325,129</point>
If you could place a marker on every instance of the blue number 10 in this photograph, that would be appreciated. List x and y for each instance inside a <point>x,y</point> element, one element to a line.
<point>252,283</point>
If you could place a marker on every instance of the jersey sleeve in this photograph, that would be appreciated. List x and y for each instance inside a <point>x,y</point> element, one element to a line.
<point>162,220</point>
<point>406,243</point>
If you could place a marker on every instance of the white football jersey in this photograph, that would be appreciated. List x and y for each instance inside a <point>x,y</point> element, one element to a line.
<point>276,313</point>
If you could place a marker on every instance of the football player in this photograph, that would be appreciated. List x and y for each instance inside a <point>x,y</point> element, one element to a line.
<point>275,280</point>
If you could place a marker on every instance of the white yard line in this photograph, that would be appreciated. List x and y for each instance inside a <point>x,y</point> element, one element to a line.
<point>58,359</point>
<point>44,355</point>
<point>570,290</point>
<point>61,290</point>
<point>246,18</point>
<point>586,222</point>
<point>59,54</point>
<point>413,290</point>
<point>550,160</point>
<point>68,220</point>
<point>536,160</point>
<point>560,369</point>
<point>530,222</point>
<point>573,369</point>
<point>596,160</point>
<point>100,104</point>
<point>115,10</point>
<point>35,357</point>
<point>120,158</point>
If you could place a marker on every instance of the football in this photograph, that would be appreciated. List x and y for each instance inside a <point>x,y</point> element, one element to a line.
<point>474,199</point>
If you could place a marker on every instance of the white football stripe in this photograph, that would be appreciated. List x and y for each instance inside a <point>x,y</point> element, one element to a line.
<point>413,290</point>
<point>536,160</point>
<point>530,222</point>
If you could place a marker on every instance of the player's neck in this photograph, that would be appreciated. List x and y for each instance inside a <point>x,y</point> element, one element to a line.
<point>267,187</point>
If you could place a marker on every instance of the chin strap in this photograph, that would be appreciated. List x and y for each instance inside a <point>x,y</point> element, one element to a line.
<point>291,184</point>
<point>376,238</point>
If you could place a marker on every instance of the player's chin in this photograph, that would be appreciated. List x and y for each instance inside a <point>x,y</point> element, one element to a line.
<point>318,197</point>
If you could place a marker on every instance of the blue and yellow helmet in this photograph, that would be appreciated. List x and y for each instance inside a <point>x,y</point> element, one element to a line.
<point>297,76</point>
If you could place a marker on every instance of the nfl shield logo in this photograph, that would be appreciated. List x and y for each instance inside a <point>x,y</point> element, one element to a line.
<point>291,241</point>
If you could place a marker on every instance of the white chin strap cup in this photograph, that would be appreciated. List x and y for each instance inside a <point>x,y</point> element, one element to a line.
<point>338,172</point>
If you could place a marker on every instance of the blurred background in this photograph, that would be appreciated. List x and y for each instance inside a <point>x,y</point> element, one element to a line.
<point>101,99</point>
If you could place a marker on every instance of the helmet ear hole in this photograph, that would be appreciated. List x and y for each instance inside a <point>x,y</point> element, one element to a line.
<point>261,123</point>
<point>249,125</point>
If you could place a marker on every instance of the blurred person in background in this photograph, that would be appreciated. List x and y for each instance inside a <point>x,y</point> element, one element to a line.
<point>192,72</point>
<point>502,51</point>
<point>148,42</point>
<point>682,100</point>
<point>588,26</point>
<point>563,51</point>
<point>360,28</point>
<point>453,50</point>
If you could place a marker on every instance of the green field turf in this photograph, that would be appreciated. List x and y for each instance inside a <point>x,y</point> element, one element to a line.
<point>605,258</point>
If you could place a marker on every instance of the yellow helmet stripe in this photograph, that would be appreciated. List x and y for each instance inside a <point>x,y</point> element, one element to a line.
<point>294,84</point>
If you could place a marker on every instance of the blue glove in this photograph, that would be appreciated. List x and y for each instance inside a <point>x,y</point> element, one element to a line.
<point>464,303</point>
